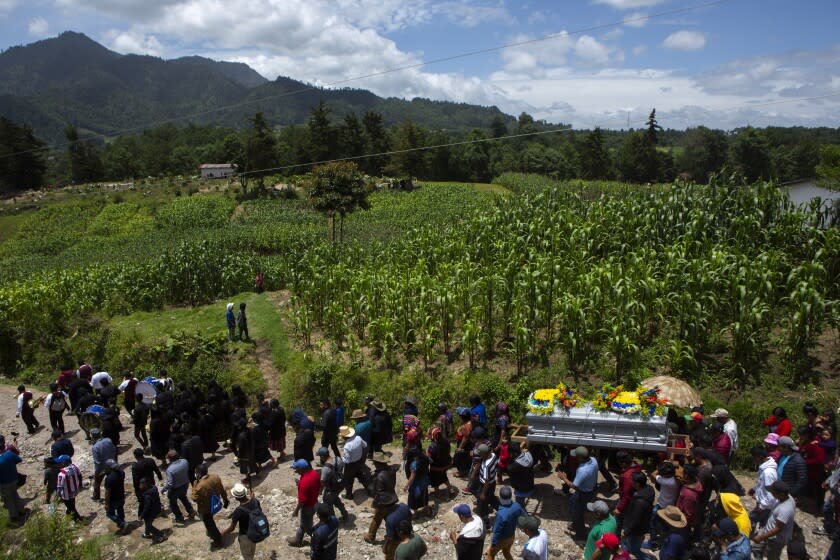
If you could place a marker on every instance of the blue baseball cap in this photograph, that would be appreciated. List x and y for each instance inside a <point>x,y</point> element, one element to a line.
<point>463,510</point>
<point>301,464</point>
<point>63,459</point>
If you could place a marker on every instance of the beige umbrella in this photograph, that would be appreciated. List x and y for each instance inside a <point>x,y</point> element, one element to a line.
<point>678,392</point>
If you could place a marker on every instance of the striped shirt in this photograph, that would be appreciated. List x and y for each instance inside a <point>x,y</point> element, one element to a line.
<point>69,482</point>
<point>487,471</point>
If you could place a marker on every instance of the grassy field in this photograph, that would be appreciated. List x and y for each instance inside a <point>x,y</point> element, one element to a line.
<point>448,289</point>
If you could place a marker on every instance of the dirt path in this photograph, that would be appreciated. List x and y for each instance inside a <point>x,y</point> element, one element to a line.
<point>276,491</point>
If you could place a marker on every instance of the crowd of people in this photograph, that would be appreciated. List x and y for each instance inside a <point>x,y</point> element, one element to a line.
<point>688,505</point>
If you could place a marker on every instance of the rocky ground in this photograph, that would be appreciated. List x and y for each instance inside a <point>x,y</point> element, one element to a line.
<point>276,491</point>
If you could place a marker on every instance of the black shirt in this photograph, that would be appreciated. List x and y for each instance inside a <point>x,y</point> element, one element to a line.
<point>62,446</point>
<point>115,484</point>
<point>242,513</point>
<point>144,468</point>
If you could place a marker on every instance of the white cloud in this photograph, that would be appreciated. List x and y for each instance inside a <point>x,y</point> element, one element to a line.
<point>38,27</point>
<point>7,6</point>
<point>630,4</point>
<point>613,34</point>
<point>130,42</point>
<point>639,50</point>
<point>685,40</point>
<point>591,51</point>
<point>636,19</point>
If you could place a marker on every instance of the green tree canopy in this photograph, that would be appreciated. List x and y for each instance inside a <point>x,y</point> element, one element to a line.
<point>85,161</point>
<point>337,189</point>
<point>22,161</point>
<point>828,169</point>
<point>594,158</point>
<point>750,155</point>
<point>705,153</point>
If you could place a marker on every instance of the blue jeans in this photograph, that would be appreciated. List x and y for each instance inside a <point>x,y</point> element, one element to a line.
<point>116,513</point>
<point>654,523</point>
<point>633,544</point>
<point>577,508</point>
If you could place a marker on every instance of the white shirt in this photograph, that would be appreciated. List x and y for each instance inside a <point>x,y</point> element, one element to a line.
<point>731,429</point>
<point>766,477</point>
<point>48,401</point>
<point>537,547</point>
<point>473,529</point>
<point>97,378</point>
<point>354,450</point>
<point>19,404</point>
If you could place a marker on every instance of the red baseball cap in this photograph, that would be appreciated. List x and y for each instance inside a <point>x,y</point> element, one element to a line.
<point>608,540</point>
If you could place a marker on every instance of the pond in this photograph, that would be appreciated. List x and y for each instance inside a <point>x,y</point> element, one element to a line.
<point>803,192</point>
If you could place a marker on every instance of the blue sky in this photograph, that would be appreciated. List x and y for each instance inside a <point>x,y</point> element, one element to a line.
<point>728,64</point>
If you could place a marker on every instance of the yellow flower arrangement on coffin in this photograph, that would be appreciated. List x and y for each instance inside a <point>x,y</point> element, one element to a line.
<point>626,402</point>
<point>541,401</point>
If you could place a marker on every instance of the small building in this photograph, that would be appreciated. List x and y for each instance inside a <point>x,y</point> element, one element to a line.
<point>216,170</point>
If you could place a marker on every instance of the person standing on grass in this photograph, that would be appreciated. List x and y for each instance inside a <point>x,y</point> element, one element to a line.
<point>242,323</point>
<point>324,545</point>
<point>115,495</point>
<point>231,322</point>
<point>25,410</point>
<point>176,486</point>
<point>504,529</point>
<point>586,478</point>
<point>309,488</point>
<point>56,404</point>
<point>207,486</point>
<point>258,282</point>
<point>68,484</point>
<point>149,508</point>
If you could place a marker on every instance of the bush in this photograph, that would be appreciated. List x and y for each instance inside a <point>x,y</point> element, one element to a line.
<point>50,536</point>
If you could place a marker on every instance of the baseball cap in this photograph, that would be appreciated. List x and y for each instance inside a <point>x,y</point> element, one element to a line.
<point>62,459</point>
<point>463,510</point>
<point>598,506</point>
<point>720,413</point>
<point>772,439</point>
<point>483,449</point>
<point>725,528</point>
<point>301,464</point>
<point>788,442</point>
<point>528,522</point>
<point>608,540</point>
<point>505,496</point>
<point>697,416</point>
<point>780,486</point>
<point>322,452</point>
<point>580,451</point>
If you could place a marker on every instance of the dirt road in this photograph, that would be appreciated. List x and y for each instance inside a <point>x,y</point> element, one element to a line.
<point>276,491</point>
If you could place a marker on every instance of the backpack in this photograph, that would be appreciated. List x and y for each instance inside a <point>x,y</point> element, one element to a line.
<point>338,470</point>
<point>58,403</point>
<point>258,529</point>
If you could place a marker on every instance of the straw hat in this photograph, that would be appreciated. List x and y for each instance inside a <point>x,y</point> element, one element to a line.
<point>357,414</point>
<point>346,432</point>
<point>673,517</point>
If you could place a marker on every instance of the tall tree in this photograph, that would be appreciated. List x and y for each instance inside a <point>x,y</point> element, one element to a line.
<point>22,161</point>
<point>409,160</point>
<point>638,160</point>
<point>498,128</point>
<point>828,169</point>
<point>705,152</point>
<point>473,160</point>
<point>259,152</point>
<point>653,128</point>
<point>526,124</point>
<point>321,133</point>
<point>336,190</point>
<point>750,155</point>
<point>376,142</point>
<point>85,161</point>
<point>351,136</point>
<point>594,158</point>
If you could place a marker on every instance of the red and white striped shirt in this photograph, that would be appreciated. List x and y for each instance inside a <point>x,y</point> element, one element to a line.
<point>69,482</point>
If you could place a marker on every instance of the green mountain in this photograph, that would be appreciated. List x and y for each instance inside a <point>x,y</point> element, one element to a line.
<point>73,79</point>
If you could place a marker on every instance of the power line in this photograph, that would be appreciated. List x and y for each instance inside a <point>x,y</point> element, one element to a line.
<point>466,54</point>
